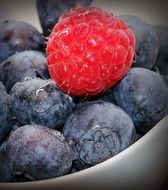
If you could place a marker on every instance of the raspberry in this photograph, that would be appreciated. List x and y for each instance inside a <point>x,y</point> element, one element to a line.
<point>89,51</point>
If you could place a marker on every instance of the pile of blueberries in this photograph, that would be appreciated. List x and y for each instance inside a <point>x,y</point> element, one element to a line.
<point>45,133</point>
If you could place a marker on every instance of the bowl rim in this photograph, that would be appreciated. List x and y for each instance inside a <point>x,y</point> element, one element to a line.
<point>156,137</point>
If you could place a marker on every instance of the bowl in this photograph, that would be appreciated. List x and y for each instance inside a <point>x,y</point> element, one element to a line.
<point>142,166</point>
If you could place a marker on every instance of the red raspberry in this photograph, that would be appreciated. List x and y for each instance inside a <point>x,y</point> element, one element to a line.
<point>89,50</point>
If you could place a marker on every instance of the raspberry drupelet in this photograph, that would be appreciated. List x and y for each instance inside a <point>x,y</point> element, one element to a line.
<point>89,51</point>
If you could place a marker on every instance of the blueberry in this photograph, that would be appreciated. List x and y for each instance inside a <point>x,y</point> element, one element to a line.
<point>98,130</point>
<point>19,36</point>
<point>5,114</point>
<point>39,101</point>
<point>73,170</point>
<point>146,42</point>
<point>162,58</point>
<point>24,64</point>
<point>108,96</point>
<point>6,174</point>
<point>5,51</point>
<point>143,94</point>
<point>49,11</point>
<point>38,152</point>
<point>3,144</point>
<point>138,136</point>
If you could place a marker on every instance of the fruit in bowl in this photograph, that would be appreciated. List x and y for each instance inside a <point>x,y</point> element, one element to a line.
<point>92,105</point>
<point>89,50</point>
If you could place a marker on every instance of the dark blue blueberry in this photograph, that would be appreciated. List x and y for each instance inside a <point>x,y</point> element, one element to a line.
<point>24,64</point>
<point>39,101</point>
<point>97,131</point>
<point>107,96</point>
<point>146,42</point>
<point>19,36</point>
<point>138,136</point>
<point>49,11</point>
<point>4,143</point>
<point>5,51</point>
<point>38,152</point>
<point>73,170</point>
<point>162,58</point>
<point>143,94</point>
<point>5,114</point>
<point>6,174</point>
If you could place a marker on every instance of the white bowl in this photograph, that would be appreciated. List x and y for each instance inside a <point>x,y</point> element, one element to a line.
<point>142,166</point>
